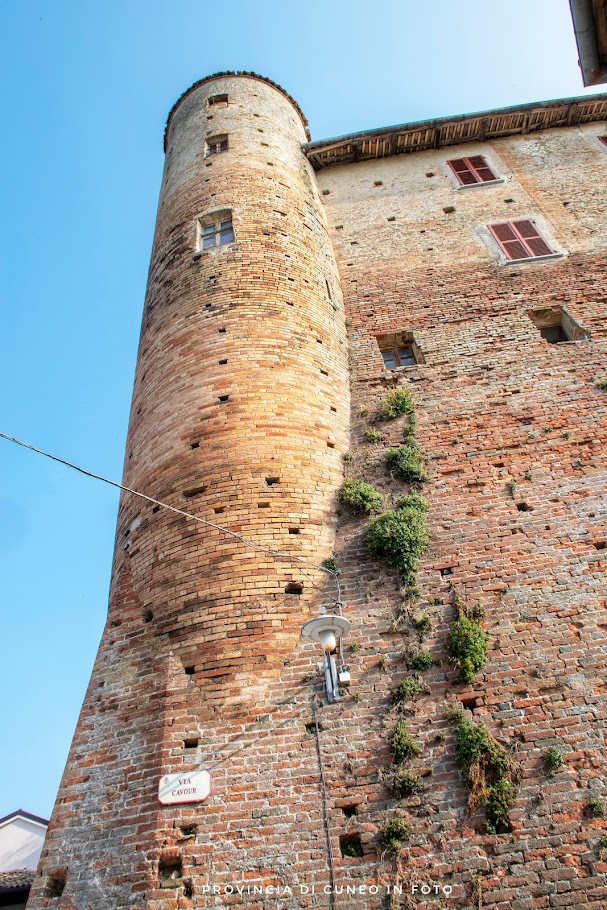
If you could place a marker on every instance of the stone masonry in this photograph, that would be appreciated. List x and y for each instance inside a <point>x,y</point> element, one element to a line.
<point>240,416</point>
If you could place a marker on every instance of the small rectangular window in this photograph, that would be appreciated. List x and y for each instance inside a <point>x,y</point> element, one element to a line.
<point>520,239</point>
<point>221,100</point>
<point>471,170</point>
<point>398,357</point>
<point>214,230</point>
<point>398,350</point>
<point>556,325</point>
<point>215,145</point>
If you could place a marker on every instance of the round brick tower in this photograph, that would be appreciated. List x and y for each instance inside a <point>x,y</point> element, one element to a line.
<point>240,417</point>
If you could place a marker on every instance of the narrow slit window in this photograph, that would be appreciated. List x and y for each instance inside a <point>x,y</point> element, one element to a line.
<point>469,171</point>
<point>520,240</point>
<point>215,145</point>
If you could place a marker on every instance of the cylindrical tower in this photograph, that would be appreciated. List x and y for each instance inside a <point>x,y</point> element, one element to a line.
<point>240,417</point>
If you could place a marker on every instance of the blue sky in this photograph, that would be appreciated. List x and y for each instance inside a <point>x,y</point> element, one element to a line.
<point>86,90</point>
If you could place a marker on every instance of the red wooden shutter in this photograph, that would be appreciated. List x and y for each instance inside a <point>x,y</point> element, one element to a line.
<point>462,171</point>
<point>471,170</point>
<point>602,139</point>
<point>509,241</point>
<point>520,239</point>
<point>532,238</point>
<point>481,168</point>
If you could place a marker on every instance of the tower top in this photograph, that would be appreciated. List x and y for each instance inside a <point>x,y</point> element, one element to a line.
<point>234,73</point>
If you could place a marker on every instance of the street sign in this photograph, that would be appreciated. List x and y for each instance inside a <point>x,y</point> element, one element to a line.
<point>185,787</point>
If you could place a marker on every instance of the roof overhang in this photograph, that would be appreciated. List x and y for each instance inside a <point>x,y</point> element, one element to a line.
<point>26,816</point>
<point>590,27</point>
<point>445,131</point>
<point>15,886</point>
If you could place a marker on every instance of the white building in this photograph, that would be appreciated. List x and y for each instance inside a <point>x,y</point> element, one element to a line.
<point>21,839</point>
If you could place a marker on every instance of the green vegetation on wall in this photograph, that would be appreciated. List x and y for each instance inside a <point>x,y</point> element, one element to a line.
<point>407,462</point>
<point>397,403</point>
<point>402,744</point>
<point>487,770</point>
<point>400,538</point>
<point>394,833</point>
<point>361,497</point>
<point>468,642</point>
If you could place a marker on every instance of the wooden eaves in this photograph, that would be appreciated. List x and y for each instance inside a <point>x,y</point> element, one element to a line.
<point>446,131</point>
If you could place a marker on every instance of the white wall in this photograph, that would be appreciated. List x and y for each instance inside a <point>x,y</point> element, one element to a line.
<point>20,844</point>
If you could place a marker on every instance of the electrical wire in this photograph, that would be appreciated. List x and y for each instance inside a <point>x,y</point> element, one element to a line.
<point>325,807</point>
<point>244,540</point>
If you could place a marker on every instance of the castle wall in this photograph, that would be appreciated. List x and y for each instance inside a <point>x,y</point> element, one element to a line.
<point>240,417</point>
<point>515,431</point>
<point>201,664</point>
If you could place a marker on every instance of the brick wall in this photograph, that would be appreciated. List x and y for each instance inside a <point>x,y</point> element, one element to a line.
<point>200,626</point>
<point>514,431</point>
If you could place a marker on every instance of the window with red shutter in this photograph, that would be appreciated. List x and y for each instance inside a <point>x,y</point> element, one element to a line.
<point>520,239</point>
<point>471,170</point>
<point>602,139</point>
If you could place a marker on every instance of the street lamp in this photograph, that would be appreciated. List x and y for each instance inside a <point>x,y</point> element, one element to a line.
<point>327,629</point>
